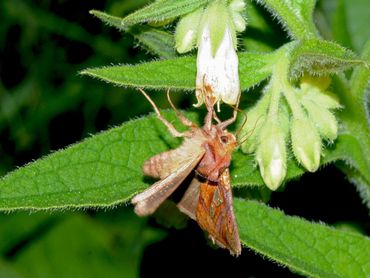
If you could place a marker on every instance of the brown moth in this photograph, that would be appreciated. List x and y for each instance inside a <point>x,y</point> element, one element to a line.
<point>208,199</point>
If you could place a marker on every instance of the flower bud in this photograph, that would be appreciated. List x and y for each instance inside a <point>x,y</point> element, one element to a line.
<point>187,31</point>
<point>237,5</point>
<point>271,155</point>
<point>325,100</point>
<point>238,21</point>
<point>306,143</point>
<point>255,121</point>
<point>323,119</point>
<point>313,88</point>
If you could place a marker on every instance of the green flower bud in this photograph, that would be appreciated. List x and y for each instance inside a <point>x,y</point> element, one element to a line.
<point>323,119</point>
<point>187,31</point>
<point>251,133</point>
<point>325,100</point>
<point>255,120</point>
<point>314,89</point>
<point>306,143</point>
<point>237,5</point>
<point>271,155</point>
<point>238,21</point>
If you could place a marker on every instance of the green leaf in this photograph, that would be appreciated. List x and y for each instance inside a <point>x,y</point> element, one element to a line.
<point>156,41</point>
<point>81,247</point>
<point>158,11</point>
<point>312,249</point>
<point>180,73</point>
<point>355,126</point>
<point>359,82</point>
<point>106,169</point>
<point>296,16</point>
<point>320,57</point>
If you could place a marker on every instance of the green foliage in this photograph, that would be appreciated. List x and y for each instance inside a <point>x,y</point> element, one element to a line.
<point>180,73</point>
<point>319,57</point>
<point>86,246</point>
<point>309,248</point>
<point>155,41</point>
<point>159,11</point>
<point>296,16</point>
<point>105,169</point>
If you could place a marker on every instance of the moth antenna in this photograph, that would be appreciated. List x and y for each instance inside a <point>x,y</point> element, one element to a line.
<point>249,134</point>
<point>185,121</point>
<point>170,127</point>
<point>243,124</point>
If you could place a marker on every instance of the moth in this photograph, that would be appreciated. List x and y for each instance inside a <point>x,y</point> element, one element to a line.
<point>208,199</point>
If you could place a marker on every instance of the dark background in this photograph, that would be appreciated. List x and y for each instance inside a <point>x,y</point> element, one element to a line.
<point>45,105</point>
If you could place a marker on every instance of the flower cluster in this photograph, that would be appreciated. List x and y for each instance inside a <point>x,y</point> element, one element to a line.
<point>304,118</point>
<point>213,30</point>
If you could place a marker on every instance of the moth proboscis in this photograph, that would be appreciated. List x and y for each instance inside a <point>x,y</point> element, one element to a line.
<point>208,199</point>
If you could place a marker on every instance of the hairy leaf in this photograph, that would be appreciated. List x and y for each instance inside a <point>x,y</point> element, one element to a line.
<point>309,248</point>
<point>296,16</point>
<point>180,73</point>
<point>158,11</point>
<point>106,169</point>
<point>156,41</point>
<point>320,57</point>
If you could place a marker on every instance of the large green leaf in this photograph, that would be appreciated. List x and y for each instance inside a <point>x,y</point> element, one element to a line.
<point>100,171</point>
<point>180,73</point>
<point>312,249</point>
<point>296,16</point>
<point>106,169</point>
<point>158,11</point>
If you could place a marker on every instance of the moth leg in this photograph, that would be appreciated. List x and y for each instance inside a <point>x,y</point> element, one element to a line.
<point>185,121</point>
<point>228,122</point>
<point>216,118</point>
<point>169,126</point>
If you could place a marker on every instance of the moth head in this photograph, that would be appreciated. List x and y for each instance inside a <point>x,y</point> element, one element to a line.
<point>226,139</point>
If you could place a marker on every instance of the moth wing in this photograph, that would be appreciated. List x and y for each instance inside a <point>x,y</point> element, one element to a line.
<point>215,213</point>
<point>149,200</point>
<point>189,202</point>
<point>163,164</point>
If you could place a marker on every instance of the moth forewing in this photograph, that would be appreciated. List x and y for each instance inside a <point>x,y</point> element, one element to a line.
<point>163,164</point>
<point>149,200</point>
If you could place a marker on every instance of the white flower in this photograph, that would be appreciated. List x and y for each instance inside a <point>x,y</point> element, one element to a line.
<point>218,72</point>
